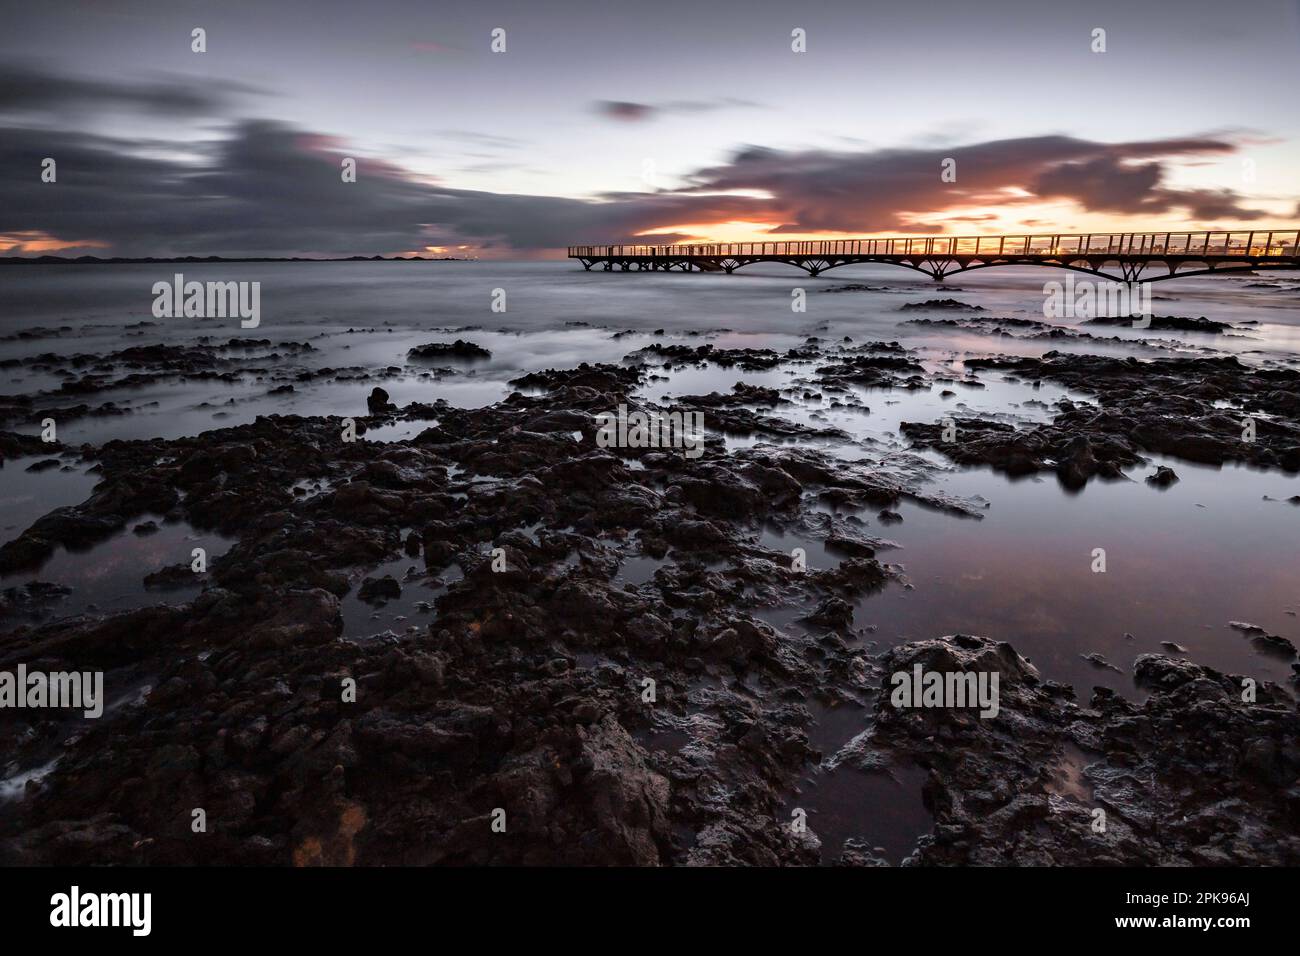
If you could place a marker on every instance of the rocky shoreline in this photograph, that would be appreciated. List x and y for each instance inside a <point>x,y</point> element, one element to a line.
<point>526,691</point>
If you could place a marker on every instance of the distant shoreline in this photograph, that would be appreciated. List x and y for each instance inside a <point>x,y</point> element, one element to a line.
<point>189,260</point>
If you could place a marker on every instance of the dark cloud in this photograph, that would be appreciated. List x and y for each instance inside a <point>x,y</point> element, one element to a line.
<point>271,189</point>
<point>891,189</point>
<point>27,90</point>
<point>1206,204</point>
<point>1109,184</point>
<point>636,112</point>
<point>1104,184</point>
<point>623,110</point>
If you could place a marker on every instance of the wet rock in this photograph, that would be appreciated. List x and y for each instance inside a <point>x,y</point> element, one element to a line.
<point>1166,323</point>
<point>612,380</point>
<point>298,617</point>
<point>1274,646</point>
<point>940,304</point>
<point>832,612</point>
<point>377,402</point>
<point>1162,478</point>
<point>1074,457</point>
<point>728,414</point>
<point>1100,662</point>
<point>14,445</point>
<point>31,598</point>
<point>378,590</point>
<point>172,576</point>
<point>750,360</point>
<point>458,349</point>
<point>1171,407</point>
<point>850,542</point>
<point>873,371</point>
<point>857,853</point>
<point>1163,771</point>
<point>1005,327</point>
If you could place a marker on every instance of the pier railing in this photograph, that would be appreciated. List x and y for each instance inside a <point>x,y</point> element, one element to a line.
<point>1236,243</point>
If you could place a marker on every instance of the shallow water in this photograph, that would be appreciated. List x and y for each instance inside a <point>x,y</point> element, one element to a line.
<point>27,495</point>
<point>1180,564</point>
<point>109,576</point>
<point>409,611</point>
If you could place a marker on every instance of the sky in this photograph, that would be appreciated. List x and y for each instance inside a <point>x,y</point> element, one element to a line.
<point>615,121</point>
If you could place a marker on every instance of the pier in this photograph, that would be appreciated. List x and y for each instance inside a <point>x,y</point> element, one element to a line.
<point>1125,257</point>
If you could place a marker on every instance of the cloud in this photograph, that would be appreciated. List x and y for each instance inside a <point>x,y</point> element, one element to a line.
<point>623,110</point>
<point>627,111</point>
<point>1107,184</point>
<point>900,189</point>
<point>271,188</point>
<point>30,90</point>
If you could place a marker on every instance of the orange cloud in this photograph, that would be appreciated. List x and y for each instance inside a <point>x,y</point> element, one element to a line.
<point>42,242</point>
